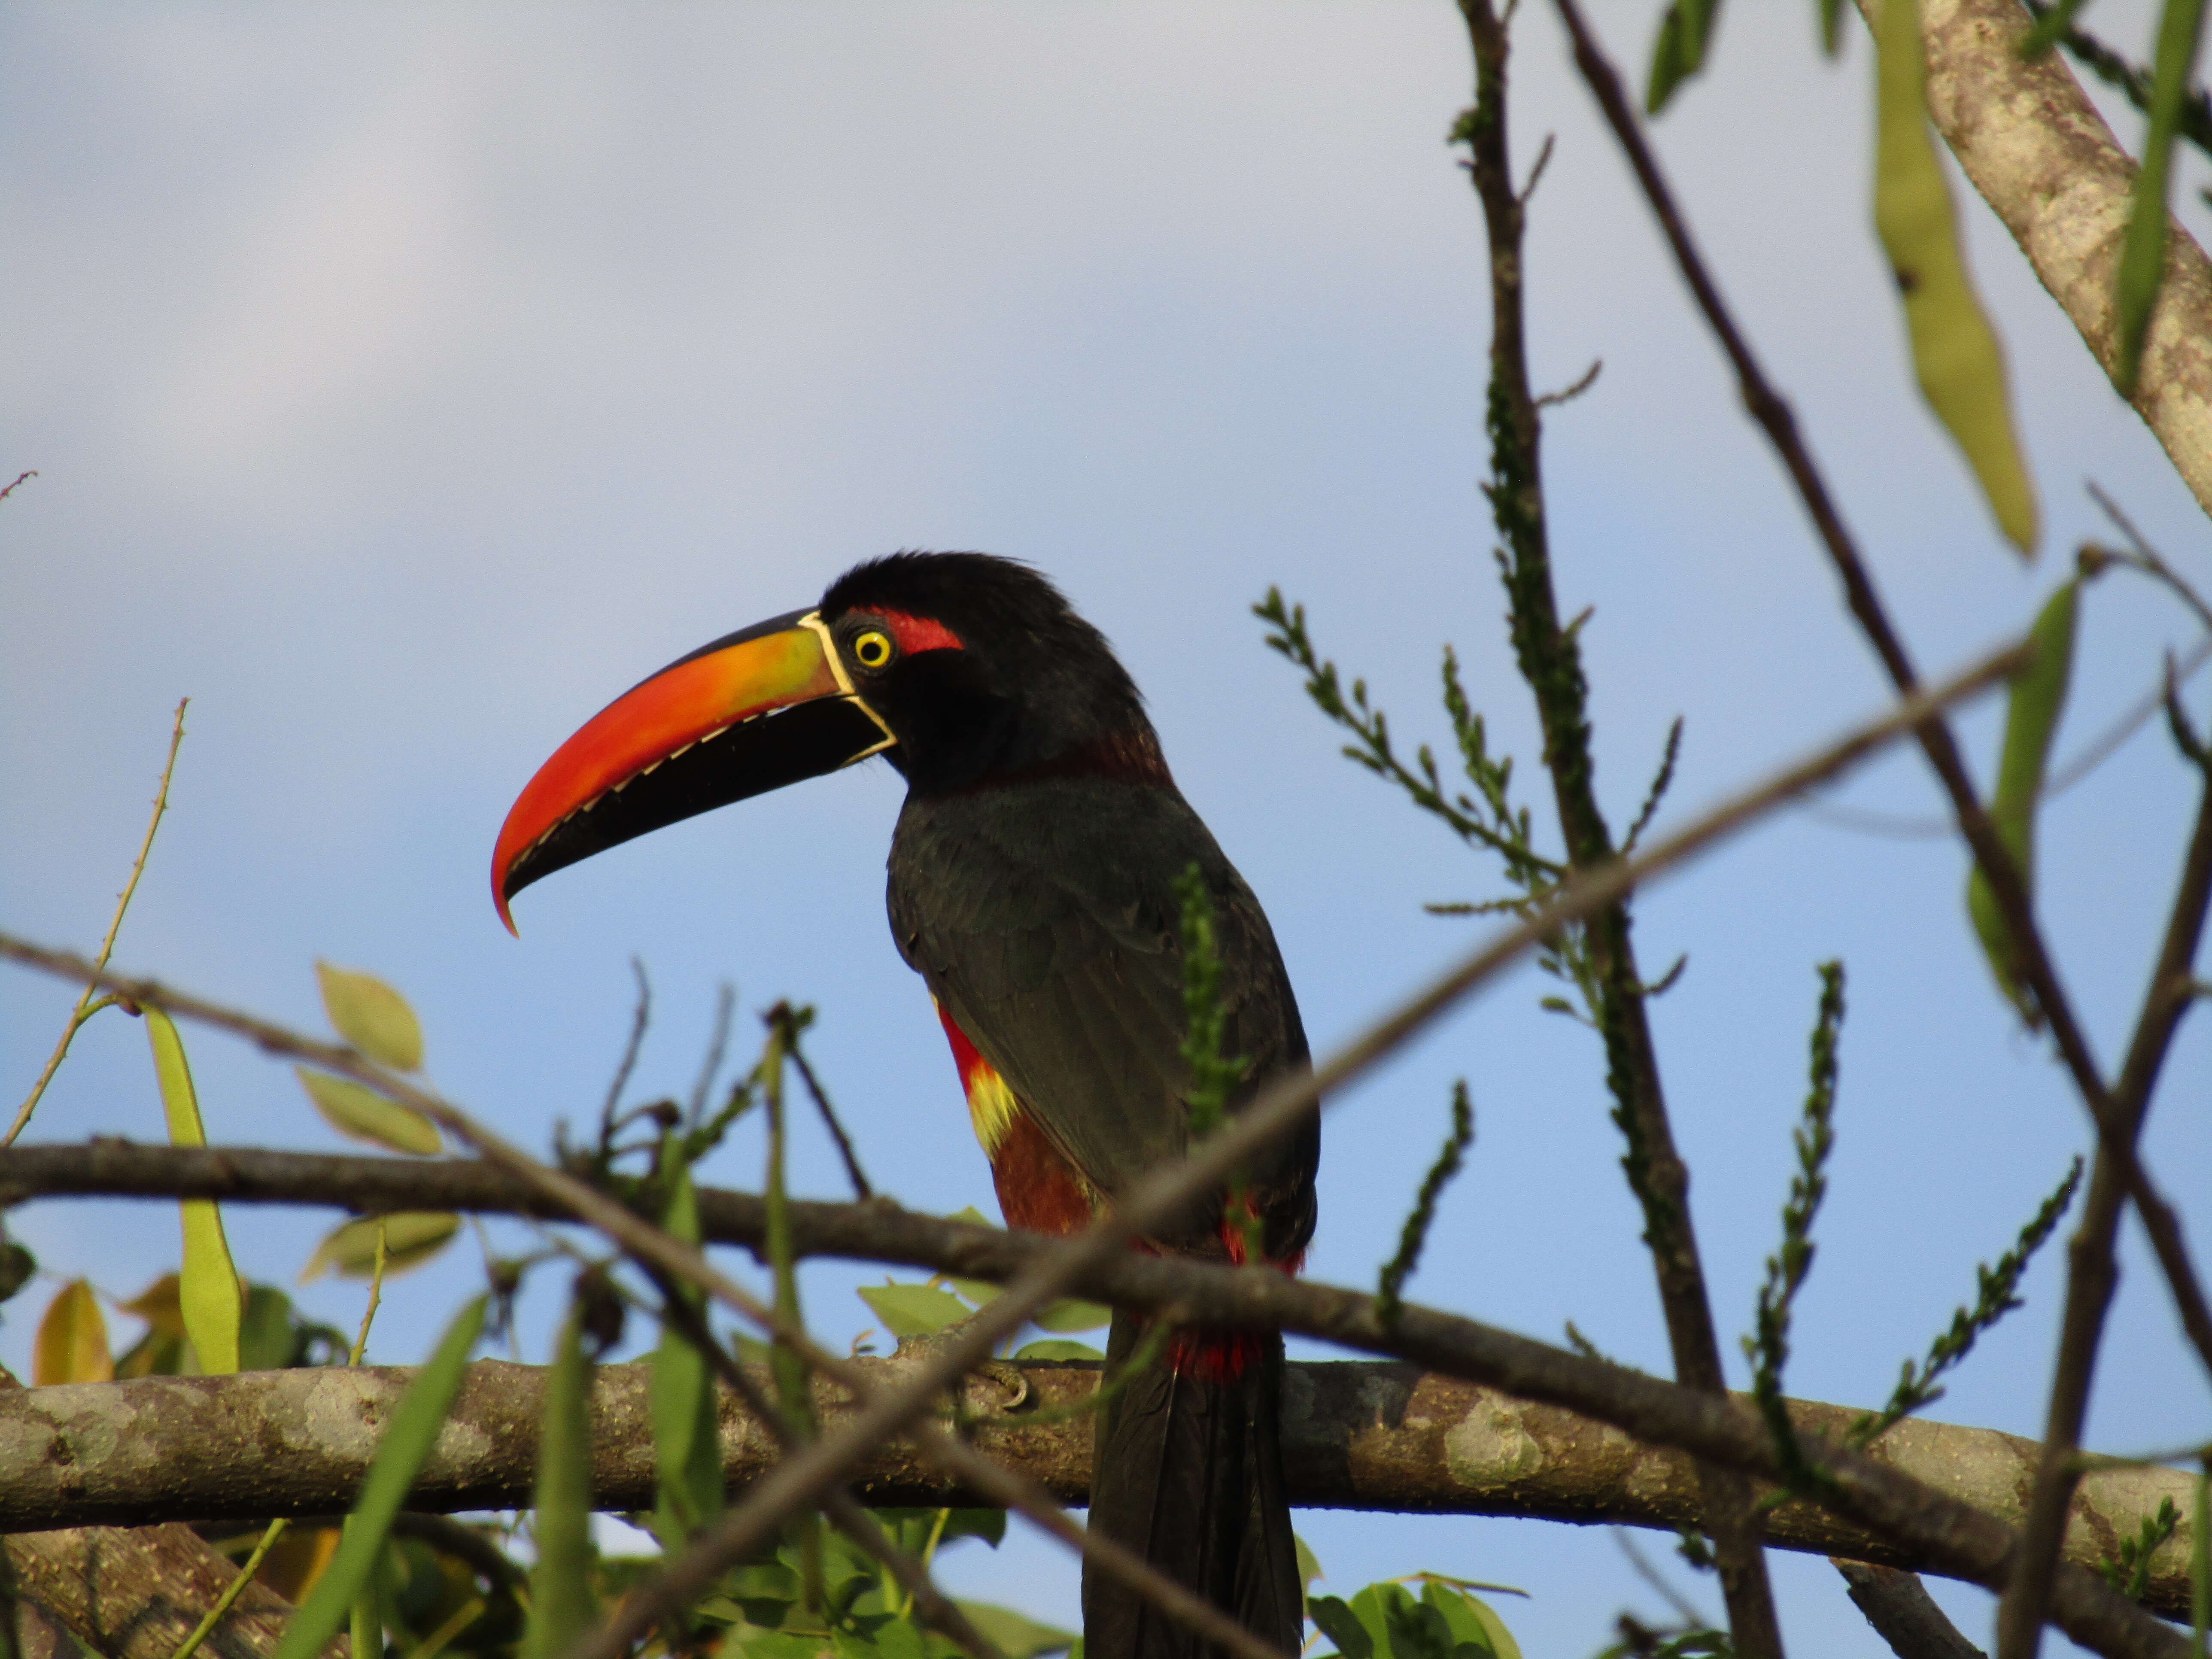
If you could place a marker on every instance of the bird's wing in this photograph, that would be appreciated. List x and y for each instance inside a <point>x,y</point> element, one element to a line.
<point>1044,919</point>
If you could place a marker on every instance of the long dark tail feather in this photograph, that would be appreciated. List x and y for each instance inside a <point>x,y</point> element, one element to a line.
<point>1189,1474</point>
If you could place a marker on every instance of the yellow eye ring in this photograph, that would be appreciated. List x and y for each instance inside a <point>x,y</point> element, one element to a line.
<point>871,649</point>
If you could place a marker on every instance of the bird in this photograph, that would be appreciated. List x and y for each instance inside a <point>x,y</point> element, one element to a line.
<point>1033,884</point>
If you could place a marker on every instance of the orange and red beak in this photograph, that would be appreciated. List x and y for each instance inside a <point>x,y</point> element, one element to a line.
<point>753,711</point>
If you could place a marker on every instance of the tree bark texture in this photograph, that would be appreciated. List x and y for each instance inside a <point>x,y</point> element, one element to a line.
<point>2033,145</point>
<point>1357,1435</point>
<point>136,1592</point>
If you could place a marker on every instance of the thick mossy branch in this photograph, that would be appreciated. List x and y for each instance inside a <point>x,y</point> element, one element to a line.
<point>1996,1295</point>
<point>1815,1137</point>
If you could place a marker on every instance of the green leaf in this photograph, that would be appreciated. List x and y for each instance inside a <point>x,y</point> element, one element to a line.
<point>407,1441</point>
<point>2032,712</point>
<point>71,1344</point>
<point>1832,26</point>
<point>1335,1619</point>
<point>915,1309</point>
<point>1955,350</point>
<point>353,1108</point>
<point>208,1283</point>
<point>1070,1314</point>
<point>563,1607</point>
<point>372,1016</point>
<point>1309,1567</point>
<point>267,1340</point>
<point>410,1238</point>
<point>686,1431</point>
<point>1686,32</point>
<point>977,1291</point>
<point>1055,1347</point>
<point>1473,1622</point>
<point>1016,1636</point>
<point>2142,255</point>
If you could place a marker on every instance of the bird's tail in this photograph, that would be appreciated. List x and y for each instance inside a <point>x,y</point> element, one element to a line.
<point>1189,1474</point>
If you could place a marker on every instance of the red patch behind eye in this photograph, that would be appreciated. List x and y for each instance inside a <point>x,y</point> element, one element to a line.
<point>920,633</point>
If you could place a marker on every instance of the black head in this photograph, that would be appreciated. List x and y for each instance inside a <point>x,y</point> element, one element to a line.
<point>988,673</point>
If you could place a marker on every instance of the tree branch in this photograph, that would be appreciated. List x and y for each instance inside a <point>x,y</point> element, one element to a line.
<point>1904,1614</point>
<point>1357,1435</point>
<point>2033,145</point>
<point>1891,1494</point>
<point>136,1592</point>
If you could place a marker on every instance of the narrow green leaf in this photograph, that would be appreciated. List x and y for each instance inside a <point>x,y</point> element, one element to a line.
<point>1955,350</point>
<point>1057,1348</point>
<point>372,1016</point>
<point>354,1110</point>
<point>563,1607</point>
<point>408,1438</point>
<point>686,1431</point>
<point>410,1238</point>
<point>915,1309</point>
<point>1685,31</point>
<point>208,1287</point>
<point>1831,26</point>
<point>2142,255</point>
<point>1068,1314</point>
<point>1013,1634</point>
<point>2038,699</point>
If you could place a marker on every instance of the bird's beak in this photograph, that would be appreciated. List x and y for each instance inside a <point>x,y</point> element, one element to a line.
<point>753,711</point>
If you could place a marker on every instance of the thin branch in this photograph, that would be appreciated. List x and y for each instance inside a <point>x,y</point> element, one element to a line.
<point>2085,759</point>
<point>631,1048</point>
<point>2093,1274</point>
<point>717,1043</point>
<point>86,1005</point>
<point>1904,1614</point>
<point>861,1189</point>
<point>2117,1113</point>
<point>1549,658</point>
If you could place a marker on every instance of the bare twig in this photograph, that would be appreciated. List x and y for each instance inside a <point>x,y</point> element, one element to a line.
<point>861,1189</point>
<point>87,1006</point>
<point>631,1048</point>
<point>20,476</point>
<point>1903,1614</point>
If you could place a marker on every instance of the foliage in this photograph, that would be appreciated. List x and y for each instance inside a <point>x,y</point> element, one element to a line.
<point>2127,1570</point>
<point>1996,1294</point>
<point>1384,1621</point>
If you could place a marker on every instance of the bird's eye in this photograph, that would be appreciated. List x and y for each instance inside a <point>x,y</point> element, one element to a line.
<point>871,649</point>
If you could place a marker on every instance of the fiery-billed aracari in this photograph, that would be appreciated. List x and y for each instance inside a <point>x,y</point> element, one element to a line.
<point>1033,878</point>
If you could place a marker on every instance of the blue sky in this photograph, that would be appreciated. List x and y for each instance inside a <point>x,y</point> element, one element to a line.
<point>404,383</point>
